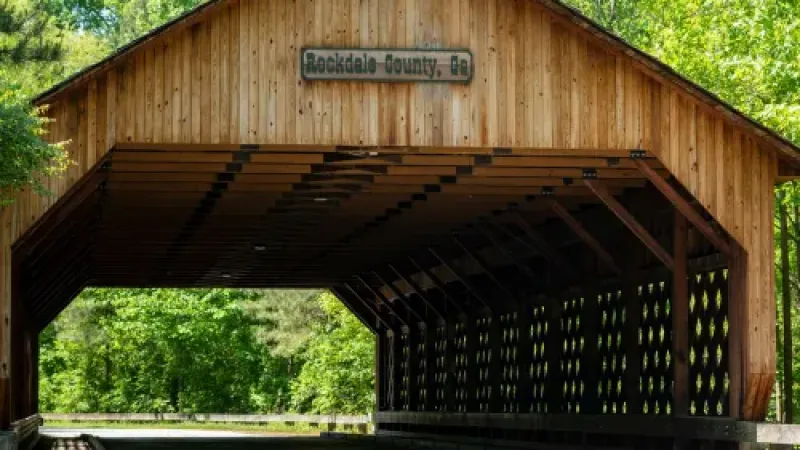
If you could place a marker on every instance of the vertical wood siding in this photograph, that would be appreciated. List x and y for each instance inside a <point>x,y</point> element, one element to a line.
<point>233,77</point>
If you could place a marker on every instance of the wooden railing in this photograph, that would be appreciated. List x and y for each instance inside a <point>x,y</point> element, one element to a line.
<point>327,421</point>
<point>26,431</point>
<point>586,427</point>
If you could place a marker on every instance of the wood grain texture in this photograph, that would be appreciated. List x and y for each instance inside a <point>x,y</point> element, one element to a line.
<point>541,82</point>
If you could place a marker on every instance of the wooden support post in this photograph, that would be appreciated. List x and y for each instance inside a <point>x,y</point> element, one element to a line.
<point>412,367</point>
<point>585,236</point>
<point>495,379</point>
<point>633,352</point>
<point>629,221</point>
<point>685,208</point>
<point>525,345</point>
<point>450,367</point>
<point>590,360</point>
<point>737,292</point>
<point>430,366</point>
<point>680,319</point>
<point>381,403</point>
<point>471,331</point>
<point>396,354</point>
<point>35,370</point>
<point>553,352</point>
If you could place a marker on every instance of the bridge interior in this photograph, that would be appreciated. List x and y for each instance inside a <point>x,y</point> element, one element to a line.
<point>538,283</point>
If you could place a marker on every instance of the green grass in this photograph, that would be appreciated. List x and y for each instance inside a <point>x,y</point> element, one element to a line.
<point>274,427</point>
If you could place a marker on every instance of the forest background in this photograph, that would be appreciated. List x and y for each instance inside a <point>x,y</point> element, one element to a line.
<point>187,350</point>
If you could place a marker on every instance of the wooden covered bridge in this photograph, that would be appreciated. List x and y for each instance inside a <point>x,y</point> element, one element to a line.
<point>554,238</point>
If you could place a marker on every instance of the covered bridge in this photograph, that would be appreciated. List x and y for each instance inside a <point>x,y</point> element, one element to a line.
<point>543,227</point>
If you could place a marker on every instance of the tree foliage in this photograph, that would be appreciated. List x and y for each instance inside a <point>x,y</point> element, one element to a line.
<point>162,350</point>
<point>117,22</point>
<point>339,373</point>
<point>27,38</point>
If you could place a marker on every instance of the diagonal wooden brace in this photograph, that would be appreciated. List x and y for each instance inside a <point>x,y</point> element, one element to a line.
<point>585,236</point>
<point>629,221</point>
<point>683,206</point>
<point>400,296</point>
<point>383,300</point>
<point>441,285</point>
<point>416,288</point>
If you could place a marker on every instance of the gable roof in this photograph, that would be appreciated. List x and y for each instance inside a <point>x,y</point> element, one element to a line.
<point>787,149</point>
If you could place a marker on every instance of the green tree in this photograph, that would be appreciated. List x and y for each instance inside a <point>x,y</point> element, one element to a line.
<point>117,22</point>
<point>204,350</point>
<point>338,375</point>
<point>27,38</point>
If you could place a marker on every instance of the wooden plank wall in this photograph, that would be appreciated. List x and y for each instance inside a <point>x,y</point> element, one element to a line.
<point>232,76</point>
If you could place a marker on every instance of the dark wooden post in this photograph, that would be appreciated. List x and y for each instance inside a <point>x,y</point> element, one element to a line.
<point>553,350</point>
<point>450,366</point>
<point>412,389</point>
<point>524,360</point>
<point>590,364</point>
<point>633,354</point>
<point>471,331</point>
<point>35,371</point>
<point>396,375</point>
<point>737,292</point>
<point>380,371</point>
<point>495,380</point>
<point>430,365</point>
<point>680,319</point>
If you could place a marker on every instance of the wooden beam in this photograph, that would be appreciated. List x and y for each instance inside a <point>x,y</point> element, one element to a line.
<point>463,279</point>
<point>680,319</point>
<point>484,266</point>
<point>680,203</point>
<point>419,291</point>
<point>629,221</point>
<point>356,307</point>
<point>544,246</point>
<point>383,300</point>
<point>400,296</point>
<point>509,254</point>
<point>438,283</point>
<point>585,236</point>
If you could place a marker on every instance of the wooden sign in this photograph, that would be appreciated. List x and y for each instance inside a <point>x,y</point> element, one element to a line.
<point>386,65</point>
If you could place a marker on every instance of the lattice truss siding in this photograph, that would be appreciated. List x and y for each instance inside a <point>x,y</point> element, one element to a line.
<point>569,355</point>
<point>708,344</point>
